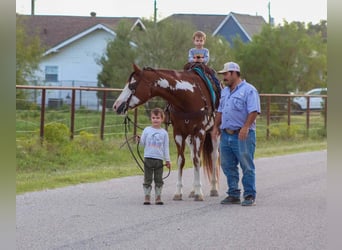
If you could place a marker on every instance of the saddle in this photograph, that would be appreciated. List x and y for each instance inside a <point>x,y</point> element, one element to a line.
<point>208,75</point>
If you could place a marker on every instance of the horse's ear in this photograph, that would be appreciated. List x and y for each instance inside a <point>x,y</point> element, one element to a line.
<point>136,68</point>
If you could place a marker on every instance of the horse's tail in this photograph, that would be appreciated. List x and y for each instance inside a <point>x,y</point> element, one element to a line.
<point>207,151</point>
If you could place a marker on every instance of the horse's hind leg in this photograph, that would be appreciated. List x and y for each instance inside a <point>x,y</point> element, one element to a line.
<point>216,168</point>
<point>197,193</point>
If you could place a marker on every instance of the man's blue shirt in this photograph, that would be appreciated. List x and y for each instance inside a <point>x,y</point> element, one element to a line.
<point>235,106</point>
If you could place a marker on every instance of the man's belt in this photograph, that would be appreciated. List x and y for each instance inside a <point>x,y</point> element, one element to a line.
<point>232,132</point>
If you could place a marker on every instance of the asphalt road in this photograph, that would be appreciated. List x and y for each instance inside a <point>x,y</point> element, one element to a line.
<point>290,213</point>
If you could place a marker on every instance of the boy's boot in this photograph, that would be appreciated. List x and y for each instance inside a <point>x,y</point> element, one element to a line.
<point>158,191</point>
<point>147,191</point>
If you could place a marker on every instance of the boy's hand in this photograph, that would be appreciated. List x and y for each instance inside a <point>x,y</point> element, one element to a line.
<point>168,164</point>
<point>198,58</point>
<point>137,138</point>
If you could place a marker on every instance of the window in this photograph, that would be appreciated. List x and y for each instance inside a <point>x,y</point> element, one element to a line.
<point>51,73</point>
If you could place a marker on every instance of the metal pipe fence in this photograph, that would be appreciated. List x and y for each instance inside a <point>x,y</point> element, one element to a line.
<point>35,109</point>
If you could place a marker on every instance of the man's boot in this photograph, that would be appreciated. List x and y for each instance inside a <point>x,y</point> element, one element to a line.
<point>158,191</point>
<point>147,191</point>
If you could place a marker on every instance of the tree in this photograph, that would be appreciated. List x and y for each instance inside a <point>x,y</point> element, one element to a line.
<point>283,58</point>
<point>29,52</point>
<point>164,45</point>
<point>117,61</point>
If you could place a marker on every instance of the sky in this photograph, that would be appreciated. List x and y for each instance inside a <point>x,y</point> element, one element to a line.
<point>289,10</point>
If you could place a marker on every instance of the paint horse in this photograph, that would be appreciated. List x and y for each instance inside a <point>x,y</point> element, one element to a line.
<point>192,114</point>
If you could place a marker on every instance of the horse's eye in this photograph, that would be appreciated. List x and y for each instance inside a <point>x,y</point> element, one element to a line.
<point>131,86</point>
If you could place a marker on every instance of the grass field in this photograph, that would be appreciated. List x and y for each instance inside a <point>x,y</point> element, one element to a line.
<point>89,159</point>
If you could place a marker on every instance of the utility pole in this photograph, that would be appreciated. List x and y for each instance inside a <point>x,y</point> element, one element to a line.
<point>270,18</point>
<point>155,12</point>
<point>32,7</point>
<point>269,12</point>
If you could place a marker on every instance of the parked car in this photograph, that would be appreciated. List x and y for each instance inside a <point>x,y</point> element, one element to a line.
<point>299,104</point>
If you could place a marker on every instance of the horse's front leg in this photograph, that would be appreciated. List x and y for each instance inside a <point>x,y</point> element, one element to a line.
<point>195,149</point>
<point>216,167</point>
<point>180,143</point>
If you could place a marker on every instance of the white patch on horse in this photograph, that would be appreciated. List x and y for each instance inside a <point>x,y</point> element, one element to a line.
<point>198,143</point>
<point>184,85</point>
<point>134,101</point>
<point>133,80</point>
<point>179,139</point>
<point>163,83</point>
<point>125,94</point>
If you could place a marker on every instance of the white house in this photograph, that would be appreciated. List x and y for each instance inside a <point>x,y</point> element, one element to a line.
<point>73,46</point>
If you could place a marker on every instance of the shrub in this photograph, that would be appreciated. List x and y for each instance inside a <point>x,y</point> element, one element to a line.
<point>88,141</point>
<point>283,131</point>
<point>56,133</point>
<point>319,133</point>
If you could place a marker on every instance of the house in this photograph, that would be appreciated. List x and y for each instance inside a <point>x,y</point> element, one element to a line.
<point>229,26</point>
<point>73,44</point>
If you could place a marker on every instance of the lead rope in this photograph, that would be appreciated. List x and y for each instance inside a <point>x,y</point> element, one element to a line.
<point>126,122</point>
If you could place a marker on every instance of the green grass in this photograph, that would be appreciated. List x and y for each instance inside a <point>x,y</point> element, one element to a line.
<point>48,167</point>
<point>88,159</point>
<point>273,148</point>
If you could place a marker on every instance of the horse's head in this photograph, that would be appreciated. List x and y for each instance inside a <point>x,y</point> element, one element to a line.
<point>137,91</point>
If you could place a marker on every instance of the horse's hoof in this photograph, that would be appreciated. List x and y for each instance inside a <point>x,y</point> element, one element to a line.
<point>199,197</point>
<point>192,194</point>
<point>213,193</point>
<point>177,197</point>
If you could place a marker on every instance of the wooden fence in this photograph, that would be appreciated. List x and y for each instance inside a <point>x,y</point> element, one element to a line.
<point>275,108</point>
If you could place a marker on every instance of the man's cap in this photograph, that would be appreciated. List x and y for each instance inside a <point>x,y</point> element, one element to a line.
<point>229,66</point>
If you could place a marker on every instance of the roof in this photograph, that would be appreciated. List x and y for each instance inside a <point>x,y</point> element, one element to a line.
<point>205,22</point>
<point>54,30</point>
<point>251,24</point>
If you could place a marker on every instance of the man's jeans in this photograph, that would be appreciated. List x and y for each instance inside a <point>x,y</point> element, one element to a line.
<point>232,152</point>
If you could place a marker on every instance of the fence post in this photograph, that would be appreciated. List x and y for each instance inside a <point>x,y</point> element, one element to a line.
<point>325,111</point>
<point>268,105</point>
<point>42,116</point>
<point>307,115</point>
<point>135,122</point>
<point>103,114</point>
<point>72,115</point>
<point>289,111</point>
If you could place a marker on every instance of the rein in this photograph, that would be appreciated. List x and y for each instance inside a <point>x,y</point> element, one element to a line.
<point>128,120</point>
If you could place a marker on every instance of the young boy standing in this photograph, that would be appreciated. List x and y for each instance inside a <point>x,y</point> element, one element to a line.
<point>155,141</point>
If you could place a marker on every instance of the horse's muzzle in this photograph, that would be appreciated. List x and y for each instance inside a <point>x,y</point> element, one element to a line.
<point>122,108</point>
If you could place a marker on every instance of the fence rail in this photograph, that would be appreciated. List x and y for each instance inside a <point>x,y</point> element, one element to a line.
<point>275,108</point>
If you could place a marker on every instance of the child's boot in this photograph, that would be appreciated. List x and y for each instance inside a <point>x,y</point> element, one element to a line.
<point>158,196</point>
<point>147,191</point>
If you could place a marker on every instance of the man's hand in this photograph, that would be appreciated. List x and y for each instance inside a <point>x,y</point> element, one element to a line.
<point>215,133</point>
<point>243,133</point>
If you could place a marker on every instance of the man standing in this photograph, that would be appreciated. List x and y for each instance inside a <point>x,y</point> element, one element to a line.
<point>235,121</point>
